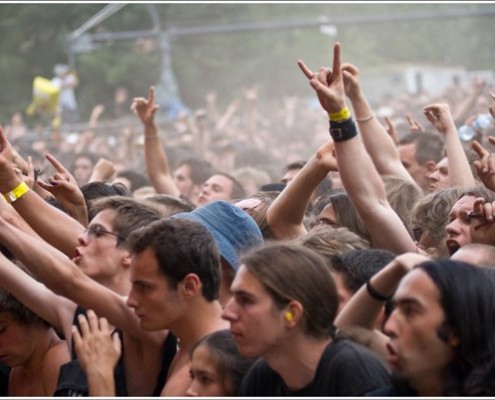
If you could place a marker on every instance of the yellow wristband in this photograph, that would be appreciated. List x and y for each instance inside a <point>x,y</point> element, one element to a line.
<point>20,190</point>
<point>341,115</point>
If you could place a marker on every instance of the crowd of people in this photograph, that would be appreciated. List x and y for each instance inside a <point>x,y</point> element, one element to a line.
<point>298,252</point>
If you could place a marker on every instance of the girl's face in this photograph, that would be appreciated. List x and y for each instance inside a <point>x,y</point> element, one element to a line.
<point>206,379</point>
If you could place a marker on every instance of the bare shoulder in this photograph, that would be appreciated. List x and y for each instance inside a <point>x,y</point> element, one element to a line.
<point>179,378</point>
<point>56,355</point>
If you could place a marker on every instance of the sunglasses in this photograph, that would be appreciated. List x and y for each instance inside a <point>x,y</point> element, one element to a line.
<point>97,231</point>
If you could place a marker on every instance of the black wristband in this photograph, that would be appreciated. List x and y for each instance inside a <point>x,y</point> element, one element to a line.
<point>343,130</point>
<point>376,295</point>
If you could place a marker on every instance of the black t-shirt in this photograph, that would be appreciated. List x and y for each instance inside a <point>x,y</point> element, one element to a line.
<point>345,369</point>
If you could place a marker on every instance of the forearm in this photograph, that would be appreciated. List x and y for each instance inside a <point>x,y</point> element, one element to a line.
<point>35,296</point>
<point>363,309</point>
<point>378,143</point>
<point>286,214</point>
<point>79,213</point>
<point>460,173</point>
<point>367,192</point>
<point>157,165</point>
<point>53,225</point>
<point>45,262</point>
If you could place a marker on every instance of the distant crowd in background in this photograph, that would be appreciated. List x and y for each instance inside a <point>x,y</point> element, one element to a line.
<point>289,247</point>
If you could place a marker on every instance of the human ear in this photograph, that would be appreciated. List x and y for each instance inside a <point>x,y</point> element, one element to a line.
<point>293,313</point>
<point>190,285</point>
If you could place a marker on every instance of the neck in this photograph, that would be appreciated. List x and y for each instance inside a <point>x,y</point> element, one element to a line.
<point>431,386</point>
<point>120,283</point>
<point>203,319</point>
<point>297,367</point>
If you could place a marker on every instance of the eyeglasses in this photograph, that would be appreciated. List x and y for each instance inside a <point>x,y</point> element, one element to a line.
<point>97,231</point>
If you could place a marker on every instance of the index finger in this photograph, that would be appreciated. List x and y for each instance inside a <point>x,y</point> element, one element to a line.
<point>306,71</point>
<point>58,166</point>
<point>151,94</point>
<point>478,148</point>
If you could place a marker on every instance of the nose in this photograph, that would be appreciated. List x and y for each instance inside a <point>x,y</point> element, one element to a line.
<point>390,326</point>
<point>433,176</point>
<point>191,390</point>
<point>131,300</point>
<point>452,228</point>
<point>205,188</point>
<point>228,311</point>
<point>83,238</point>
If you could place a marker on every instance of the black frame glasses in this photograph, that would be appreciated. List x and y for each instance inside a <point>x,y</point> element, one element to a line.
<point>97,231</point>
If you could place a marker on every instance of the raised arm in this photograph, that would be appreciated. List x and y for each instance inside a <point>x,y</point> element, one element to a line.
<point>156,159</point>
<point>366,304</point>
<point>56,310</point>
<point>65,278</point>
<point>379,144</point>
<point>51,224</point>
<point>359,176</point>
<point>286,214</point>
<point>460,173</point>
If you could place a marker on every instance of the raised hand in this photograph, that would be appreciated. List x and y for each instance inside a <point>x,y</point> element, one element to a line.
<point>103,170</point>
<point>63,186</point>
<point>414,125</point>
<point>145,108</point>
<point>326,155</point>
<point>391,130</point>
<point>485,166</point>
<point>62,176</point>
<point>351,80</point>
<point>481,220</point>
<point>440,117</point>
<point>328,84</point>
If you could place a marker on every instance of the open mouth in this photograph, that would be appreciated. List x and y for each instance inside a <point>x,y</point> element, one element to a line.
<point>452,246</point>
<point>393,357</point>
